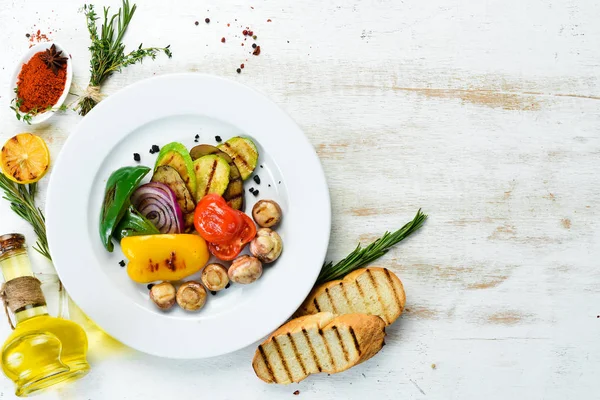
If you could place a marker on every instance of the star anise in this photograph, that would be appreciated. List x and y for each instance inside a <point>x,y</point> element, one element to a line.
<point>54,59</point>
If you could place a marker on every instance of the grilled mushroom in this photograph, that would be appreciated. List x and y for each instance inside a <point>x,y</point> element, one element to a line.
<point>266,246</point>
<point>214,277</point>
<point>245,269</point>
<point>163,295</point>
<point>266,213</point>
<point>191,296</point>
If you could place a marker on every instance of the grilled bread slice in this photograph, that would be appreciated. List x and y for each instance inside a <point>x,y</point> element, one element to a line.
<point>372,290</point>
<point>317,343</point>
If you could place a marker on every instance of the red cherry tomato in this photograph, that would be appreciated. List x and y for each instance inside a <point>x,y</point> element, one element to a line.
<point>248,232</point>
<point>225,251</point>
<point>230,250</point>
<point>215,221</point>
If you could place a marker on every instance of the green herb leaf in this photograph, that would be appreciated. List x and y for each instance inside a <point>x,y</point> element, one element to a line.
<point>107,49</point>
<point>363,256</point>
<point>22,202</point>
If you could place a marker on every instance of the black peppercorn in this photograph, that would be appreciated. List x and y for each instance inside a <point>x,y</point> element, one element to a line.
<point>207,20</point>
<point>213,292</point>
<point>239,70</point>
<point>227,287</point>
<point>136,157</point>
<point>122,263</point>
<point>256,179</point>
<point>255,193</point>
<point>196,23</point>
<point>197,137</point>
<point>150,286</point>
<point>253,45</point>
<point>155,148</point>
<point>218,139</point>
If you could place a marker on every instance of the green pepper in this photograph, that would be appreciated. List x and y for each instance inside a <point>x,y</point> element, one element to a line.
<point>119,187</point>
<point>133,224</point>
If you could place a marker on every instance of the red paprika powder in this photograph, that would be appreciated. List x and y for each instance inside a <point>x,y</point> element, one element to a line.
<point>38,87</point>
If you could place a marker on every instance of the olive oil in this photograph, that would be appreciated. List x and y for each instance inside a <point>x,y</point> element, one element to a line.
<point>42,351</point>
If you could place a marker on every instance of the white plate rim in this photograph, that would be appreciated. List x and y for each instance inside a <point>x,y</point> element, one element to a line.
<point>90,289</point>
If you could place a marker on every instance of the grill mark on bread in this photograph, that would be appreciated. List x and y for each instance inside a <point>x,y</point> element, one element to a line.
<point>316,303</point>
<point>391,282</point>
<point>283,362</point>
<point>345,294</point>
<point>296,354</point>
<point>355,340</point>
<point>331,301</point>
<point>265,360</point>
<point>376,287</point>
<point>312,349</point>
<point>339,337</point>
<point>327,348</point>
<point>362,295</point>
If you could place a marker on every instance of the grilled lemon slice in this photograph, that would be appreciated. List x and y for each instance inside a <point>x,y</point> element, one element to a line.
<point>25,158</point>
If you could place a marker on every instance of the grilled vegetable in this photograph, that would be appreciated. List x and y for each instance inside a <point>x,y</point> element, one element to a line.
<point>245,269</point>
<point>119,187</point>
<point>170,177</point>
<point>164,257</point>
<point>176,155</point>
<point>133,224</point>
<point>212,175</point>
<point>157,202</point>
<point>266,246</point>
<point>266,213</point>
<point>191,296</point>
<point>163,295</point>
<point>243,152</point>
<point>214,277</point>
<point>234,194</point>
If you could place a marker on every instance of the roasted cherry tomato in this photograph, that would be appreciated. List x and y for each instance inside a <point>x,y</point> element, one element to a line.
<point>215,221</point>
<point>225,251</point>
<point>248,232</point>
<point>230,250</point>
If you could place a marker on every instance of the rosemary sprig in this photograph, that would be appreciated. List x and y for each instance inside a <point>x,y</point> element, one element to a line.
<point>363,256</point>
<point>108,51</point>
<point>22,202</point>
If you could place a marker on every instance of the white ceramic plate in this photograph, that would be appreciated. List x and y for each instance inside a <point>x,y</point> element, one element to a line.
<point>176,108</point>
<point>41,117</point>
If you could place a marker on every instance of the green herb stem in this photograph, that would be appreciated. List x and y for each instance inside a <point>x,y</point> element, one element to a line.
<point>22,202</point>
<point>363,256</point>
<point>108,51</point>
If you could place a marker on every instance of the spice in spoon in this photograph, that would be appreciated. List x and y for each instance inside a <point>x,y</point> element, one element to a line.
<point>54,59</point>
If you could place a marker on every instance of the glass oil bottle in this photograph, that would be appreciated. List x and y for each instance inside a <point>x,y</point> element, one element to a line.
<point>42,351</point>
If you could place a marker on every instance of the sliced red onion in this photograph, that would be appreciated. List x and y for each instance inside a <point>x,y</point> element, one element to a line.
<point>157,202</point>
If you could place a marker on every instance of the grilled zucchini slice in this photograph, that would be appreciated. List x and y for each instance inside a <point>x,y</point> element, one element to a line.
<point>243,152</point>
<point>176,155</point>
<point>234,194</point>
<point>212,175</point>
<point>170,177</point>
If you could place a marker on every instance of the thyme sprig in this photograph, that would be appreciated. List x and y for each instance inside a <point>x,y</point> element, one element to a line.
<point>363,256</point>
<point>22,202</point>
<point>108,51</point>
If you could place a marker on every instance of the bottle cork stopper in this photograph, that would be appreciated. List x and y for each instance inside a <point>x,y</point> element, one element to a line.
<point>10,242</point>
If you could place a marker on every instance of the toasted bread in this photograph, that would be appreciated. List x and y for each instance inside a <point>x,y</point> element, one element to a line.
<point>317,343</point>
<point>372,290</point>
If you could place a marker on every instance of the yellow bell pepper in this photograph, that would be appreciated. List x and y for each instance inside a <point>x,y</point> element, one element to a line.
<point>164,257</point>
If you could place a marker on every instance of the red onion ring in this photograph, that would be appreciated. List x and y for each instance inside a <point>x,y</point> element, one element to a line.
<point>157,202</point>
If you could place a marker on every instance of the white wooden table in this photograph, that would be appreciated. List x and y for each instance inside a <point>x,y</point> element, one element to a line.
<point>483,113</point>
